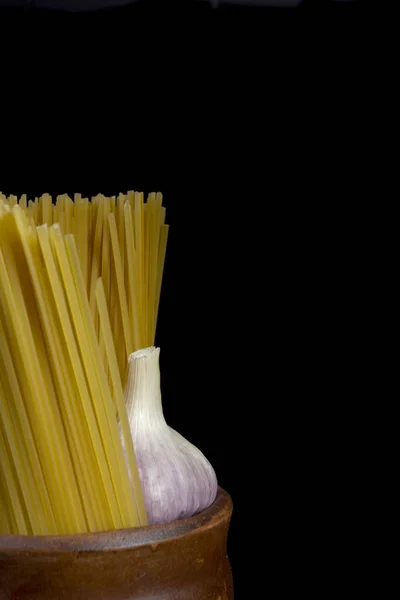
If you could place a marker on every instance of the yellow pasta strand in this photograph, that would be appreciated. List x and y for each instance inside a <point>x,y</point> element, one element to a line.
<point>134,273</point>
<point>160,265</point>
<point>96,257</point>
<point>23,202</point>
<point>47,209</point>
<point>120,284</point>
<point>139,246</point>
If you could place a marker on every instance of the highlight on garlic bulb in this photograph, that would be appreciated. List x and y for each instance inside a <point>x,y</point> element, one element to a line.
<point>177,479</point>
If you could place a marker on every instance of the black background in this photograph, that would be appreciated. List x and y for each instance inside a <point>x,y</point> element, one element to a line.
<point>241,118</point>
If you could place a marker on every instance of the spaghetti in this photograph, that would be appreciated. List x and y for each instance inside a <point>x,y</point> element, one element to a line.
<point>80,285</point>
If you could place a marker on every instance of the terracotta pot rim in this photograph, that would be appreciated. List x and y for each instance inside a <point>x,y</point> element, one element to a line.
<point>122,538</point>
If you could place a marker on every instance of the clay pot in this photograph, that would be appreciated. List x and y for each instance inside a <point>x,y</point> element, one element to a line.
<point>181,560</point>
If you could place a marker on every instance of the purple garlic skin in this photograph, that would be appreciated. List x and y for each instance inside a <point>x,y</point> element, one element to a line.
<point>177,479</point>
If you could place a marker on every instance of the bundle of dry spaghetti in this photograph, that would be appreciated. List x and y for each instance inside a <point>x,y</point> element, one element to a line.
<point>123,240</point>
<point>80,285</point>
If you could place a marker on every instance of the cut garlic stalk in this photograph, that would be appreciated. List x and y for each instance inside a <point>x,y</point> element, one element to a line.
<point>177,479</point>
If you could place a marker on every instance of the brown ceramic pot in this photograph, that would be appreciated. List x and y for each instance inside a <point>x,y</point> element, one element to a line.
<point>183,560</point>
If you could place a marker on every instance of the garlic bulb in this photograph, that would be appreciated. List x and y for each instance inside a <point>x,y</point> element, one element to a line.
<point>177,479</point>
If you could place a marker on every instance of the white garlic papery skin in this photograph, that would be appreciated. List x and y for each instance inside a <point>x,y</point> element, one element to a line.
<point>177,479</point>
